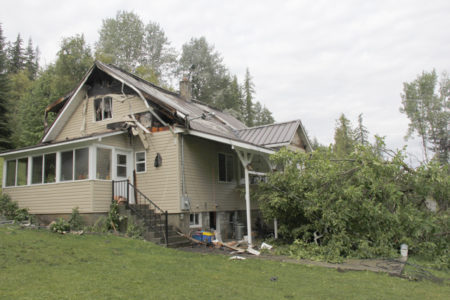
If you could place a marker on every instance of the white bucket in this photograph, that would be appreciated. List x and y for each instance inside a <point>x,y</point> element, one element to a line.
<point>404,250</point>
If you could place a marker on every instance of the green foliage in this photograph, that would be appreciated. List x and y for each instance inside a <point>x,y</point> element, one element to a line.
<point>427,107</point>
<point>114,218</point>
<point>130,44</point>
<point>60,226</point>
<point>75,221</point>
<point>5,131</point>
<point>16,56</point>
<point>135,230</point>
<point>362,206</point>
<point>10,209</point>
<point>344,142</point>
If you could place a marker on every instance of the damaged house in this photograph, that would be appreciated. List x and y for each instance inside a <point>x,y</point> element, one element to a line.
<point>117,137</point>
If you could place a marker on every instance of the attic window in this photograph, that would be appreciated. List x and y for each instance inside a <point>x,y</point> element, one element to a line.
<point>103,108</point>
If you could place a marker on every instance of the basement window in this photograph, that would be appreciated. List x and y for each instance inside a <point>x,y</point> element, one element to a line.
<point>226,170</point>
<point>195,220</point>
<point>140,162</point>
<point>103,108</point>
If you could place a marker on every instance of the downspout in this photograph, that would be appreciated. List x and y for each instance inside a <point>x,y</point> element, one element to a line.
<point>185,201</point>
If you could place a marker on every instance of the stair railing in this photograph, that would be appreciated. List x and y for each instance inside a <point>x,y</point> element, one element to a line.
<point>142,206</point>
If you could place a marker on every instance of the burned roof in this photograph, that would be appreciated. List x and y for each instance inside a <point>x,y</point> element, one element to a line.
<point>193,114</point>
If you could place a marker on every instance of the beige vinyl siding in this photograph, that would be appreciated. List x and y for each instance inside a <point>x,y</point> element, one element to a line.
<point>162,184</point>
<point>118,141</point>
<point>201,173</point>
<point>54,198</point>
<point>101,197</point>
<point>120,111</point>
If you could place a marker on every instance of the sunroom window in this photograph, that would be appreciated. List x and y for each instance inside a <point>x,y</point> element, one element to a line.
<point>50,168</point>
<point>11,173</point>
<point>103,108</point>
<point>104,163</point>
<point>36,169</point>
<point>22,171</point>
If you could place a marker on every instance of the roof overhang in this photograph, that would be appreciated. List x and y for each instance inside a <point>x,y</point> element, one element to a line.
<point>59,144</point>
<point>233,143</point>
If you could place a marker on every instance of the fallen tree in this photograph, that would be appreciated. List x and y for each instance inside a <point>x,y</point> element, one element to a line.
<point>363,206</point>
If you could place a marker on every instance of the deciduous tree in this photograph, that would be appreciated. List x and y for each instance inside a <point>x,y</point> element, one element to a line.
<point>426,104</point>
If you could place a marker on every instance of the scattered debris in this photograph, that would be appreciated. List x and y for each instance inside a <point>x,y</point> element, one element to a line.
<point>253,251</point>
<point>236,257</point>
<point>273,278</point>
<point>266,246</point>
<point>80,232</point>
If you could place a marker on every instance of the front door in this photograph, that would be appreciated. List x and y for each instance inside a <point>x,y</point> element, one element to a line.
<point>122,163</point>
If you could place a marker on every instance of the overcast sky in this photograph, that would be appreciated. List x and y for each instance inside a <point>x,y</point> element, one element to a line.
<point>310,60</point>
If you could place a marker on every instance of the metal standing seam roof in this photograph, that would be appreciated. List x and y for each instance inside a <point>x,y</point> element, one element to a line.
<point>279,133</point>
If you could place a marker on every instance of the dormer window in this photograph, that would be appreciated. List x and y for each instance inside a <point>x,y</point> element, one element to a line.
<point>103,108</point>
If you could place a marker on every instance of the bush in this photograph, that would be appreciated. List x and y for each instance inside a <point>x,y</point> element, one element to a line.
<point>60,226</point>
<point>10,209</point>
<point>75,221</point>
<point>135,230</point>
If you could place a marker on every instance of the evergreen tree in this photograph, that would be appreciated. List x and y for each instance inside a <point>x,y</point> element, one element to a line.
<point>249,90</point>
<point>361,132</point>
<point>5,132</point>
<point>343,137</point>
<point>16,56</point>
<point>31,60</point>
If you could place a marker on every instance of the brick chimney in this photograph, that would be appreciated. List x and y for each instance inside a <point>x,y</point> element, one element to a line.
<point>186,89</point>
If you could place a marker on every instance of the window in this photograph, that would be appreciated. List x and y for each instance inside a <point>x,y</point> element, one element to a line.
<point>140,162</point>
<point>226,170</point>
<point>50,168</point>
<point>36,169</point>
<point>22,171</point>
<point>195,220</point>
<point>11,173</point>
<point>78,170</point>
<point>81,163</point>
<point>17,172</point>
<point>103,108</point>
<point>66,166</point>
<point>104,163</point>
<point>121,165</point>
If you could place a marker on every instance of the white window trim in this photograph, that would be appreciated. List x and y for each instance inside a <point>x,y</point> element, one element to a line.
<point>102,102</point>
<point>73,164</point>
<point>141,162</point>
<point>199,225</point>
<point>233,179</point>
<point>16,169</point>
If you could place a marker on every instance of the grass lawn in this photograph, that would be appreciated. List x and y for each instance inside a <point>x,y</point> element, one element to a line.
<point>43,265</point>
<point>1,173</point>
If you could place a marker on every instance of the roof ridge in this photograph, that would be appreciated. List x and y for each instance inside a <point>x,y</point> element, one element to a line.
<point>267,125</point>
<point>139,79</point>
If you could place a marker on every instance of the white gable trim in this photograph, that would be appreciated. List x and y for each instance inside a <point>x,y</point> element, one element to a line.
<point>56,125</point>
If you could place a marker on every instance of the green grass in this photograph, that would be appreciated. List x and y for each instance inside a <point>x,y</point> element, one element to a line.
<point>43,265</point>
<point>1,174</point>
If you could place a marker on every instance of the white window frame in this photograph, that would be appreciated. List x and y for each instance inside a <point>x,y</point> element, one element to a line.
<point>199,219</point>
<point>102,106</point>
<point>140,162</point>
<point>16,171</point>
<point>227,156</point>
<point>74,163</point>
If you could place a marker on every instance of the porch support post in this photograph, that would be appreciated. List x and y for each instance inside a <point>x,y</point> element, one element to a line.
<point>247,205</point>
<point>246,158</point>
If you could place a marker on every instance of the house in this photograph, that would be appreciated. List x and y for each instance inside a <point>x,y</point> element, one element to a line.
<point>119,137</point>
